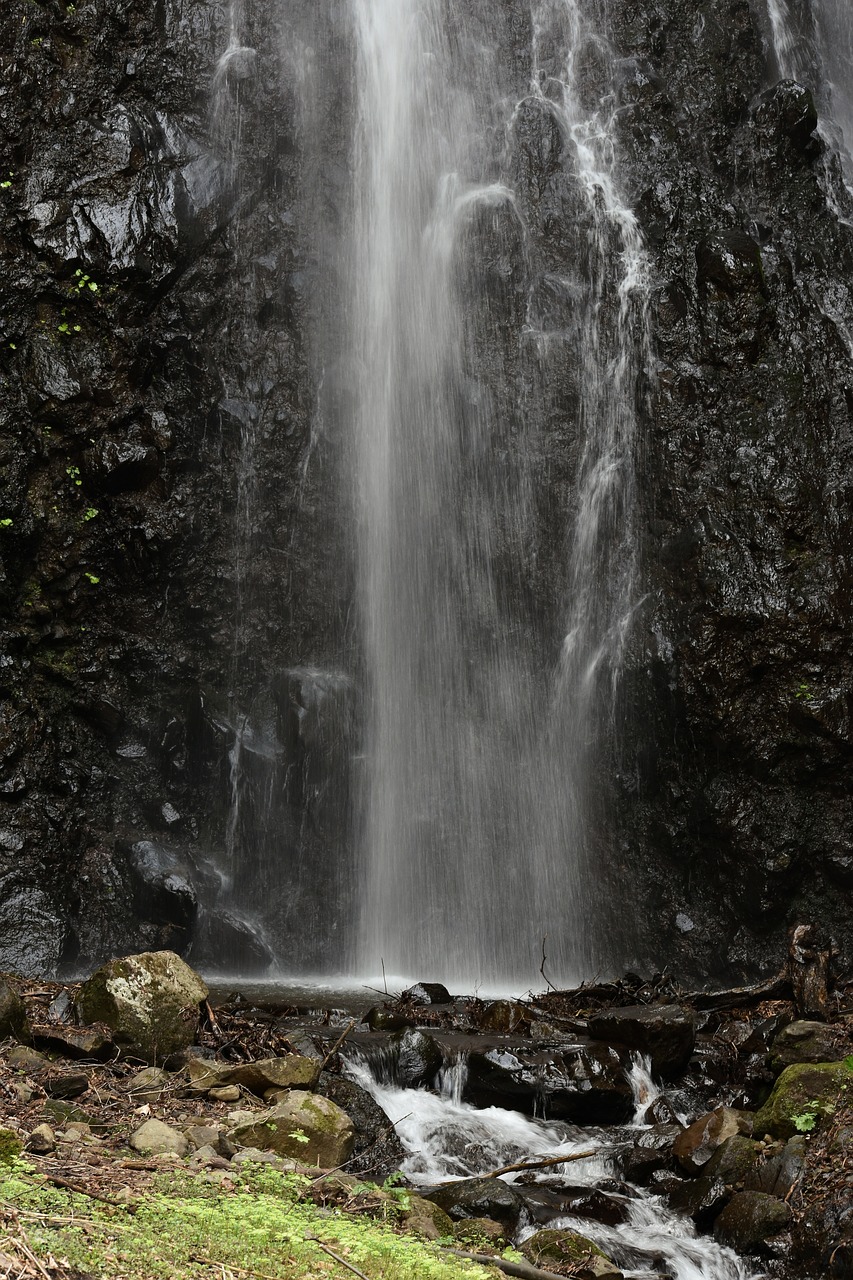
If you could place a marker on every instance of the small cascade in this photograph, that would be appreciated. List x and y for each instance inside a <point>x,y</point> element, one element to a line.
<point>643,1086</point>
<point>448,1139</point>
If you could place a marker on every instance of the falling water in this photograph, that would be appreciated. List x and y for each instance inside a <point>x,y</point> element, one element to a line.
<point>483,741</point>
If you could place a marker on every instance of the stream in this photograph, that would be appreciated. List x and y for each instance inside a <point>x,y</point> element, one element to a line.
<point>447,1139</point>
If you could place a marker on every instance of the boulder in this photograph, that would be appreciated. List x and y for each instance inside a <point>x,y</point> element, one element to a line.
<point>479,1198</point>
<point>13,1018</point>
<point>42,1140</point>
<point>418,1058</point>
<point>568,1249</point>
<point>699,1198</point>
<point>426,1219</point>
<point>149,1001</point>
<point>665,1032</point>
<point>473,1233</point>
<point>780,1171</point>
<point>377,1148</point>
<point>224,1093</point>
<point>75,1042</point>
<point>651,1153</point>
<point>544,1204</point>
<point>379,1019</point>
<point>733,1160</point>
<point>290,1072</point>
<point>424,993</point>
<point>157,1139</point>
<point>505,1017</point>
<point>809,1042</point>
<point>586,1084</point>
<point>22,1058</point>
<point>803,1095</point>
<point>694,1147</point>
<point>203,1135</point>
<point>307,1127</point>
<point>749,1219</point>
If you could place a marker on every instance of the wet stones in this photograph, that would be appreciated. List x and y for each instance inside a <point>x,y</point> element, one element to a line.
<point>786,112</point>
<point>729,263</point>
<point>479,1198</point>
<point>750,1219</point>
<point>694,1147</point>
<point>587,1085</point>
<point>665,1032</point>
<point>13,1018</point>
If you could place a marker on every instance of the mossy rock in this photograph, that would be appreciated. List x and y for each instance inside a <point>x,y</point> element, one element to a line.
<point>149,1001</point>
<point>426,1219</point>
<point>802,1097</point>
<point>733,1160</point>
<point>568,1248</point>
<point>13,1018</point>
<point>10,1146</point>
<point>306,1127</point>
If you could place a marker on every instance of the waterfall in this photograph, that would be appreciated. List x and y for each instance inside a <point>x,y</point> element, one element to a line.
<point>486,735</point>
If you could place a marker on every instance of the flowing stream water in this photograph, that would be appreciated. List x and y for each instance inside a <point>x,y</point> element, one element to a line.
<point>482,744</point>
<point>447,1139</point>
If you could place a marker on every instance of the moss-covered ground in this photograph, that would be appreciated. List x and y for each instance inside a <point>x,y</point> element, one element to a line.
<point>183,1228</point>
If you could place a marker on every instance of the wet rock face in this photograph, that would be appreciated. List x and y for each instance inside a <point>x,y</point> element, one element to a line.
<point>158,315</point>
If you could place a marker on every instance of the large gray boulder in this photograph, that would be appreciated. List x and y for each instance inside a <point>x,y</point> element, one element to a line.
<point>150,1002</point>
<point>666,1033</point>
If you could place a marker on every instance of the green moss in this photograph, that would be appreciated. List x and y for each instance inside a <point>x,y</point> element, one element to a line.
<point>803,1089</point>
<point>185,1228</point>
<point>10,1146</point>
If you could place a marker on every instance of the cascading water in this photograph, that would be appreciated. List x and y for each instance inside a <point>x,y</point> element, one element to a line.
<point>484,738</point>
<point>447,1139</point>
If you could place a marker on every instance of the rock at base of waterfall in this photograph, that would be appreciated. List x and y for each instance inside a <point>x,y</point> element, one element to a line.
<point>652,1153</point>
<point>149,1001</point>
<point>666,1033</point>
<point>586,1084</point>
<point>733,1160</point>
<point>474,1233</point>
<point>809,1042</point>
<point>479,1198</point>
<point>306,1127</point>
<point>567,1248</point>
<point>156,1139</point>
<point>418,1058</point>
<point>377,1151</point>
<point>424,993</point>
<point>694,1147</point>
<point>802,1089</point>
<point>426,1219</point>
<point>700,1199</point>
<point>750,1219</point>
<point>289,1072</point>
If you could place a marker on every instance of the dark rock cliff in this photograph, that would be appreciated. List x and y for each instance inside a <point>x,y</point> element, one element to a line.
<point>168,236</point>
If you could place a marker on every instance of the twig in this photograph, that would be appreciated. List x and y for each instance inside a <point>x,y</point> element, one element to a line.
<point>82,1191</point>
<point>337,1257</point>
<point>334,1049</point>
<point>522,1269</point>
<point>545,1163</point>
<point>211,1262</point>
<point>545,977</point>
<point>384,979</point>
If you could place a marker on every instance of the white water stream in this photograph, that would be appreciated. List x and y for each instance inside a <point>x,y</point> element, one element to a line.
<point>447,1140</point>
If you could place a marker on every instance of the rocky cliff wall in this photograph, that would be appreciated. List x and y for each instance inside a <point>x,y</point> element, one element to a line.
<point>169,244</point>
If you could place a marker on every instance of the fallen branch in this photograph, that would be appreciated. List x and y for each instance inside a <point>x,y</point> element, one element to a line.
<point>544,1163</point>
<point>337,1257</point>
<point>229,1266</point>
<point>523,1269</point>
<point>334,1049</point>
<point>83,1191</point>
<point>549,984</point>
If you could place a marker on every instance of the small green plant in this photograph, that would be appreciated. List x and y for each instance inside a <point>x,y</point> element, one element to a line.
<point>299,1135</point>
<point>807,1119</point>
<point>6,523</point>
<point>73,474</point>
<point>391,1187</point>
<point>803,692</point>
<point>4,186</point>
<point>13,346</point>
<point>93,578</point>
<point>84,281</point>
<point>90,513</point>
